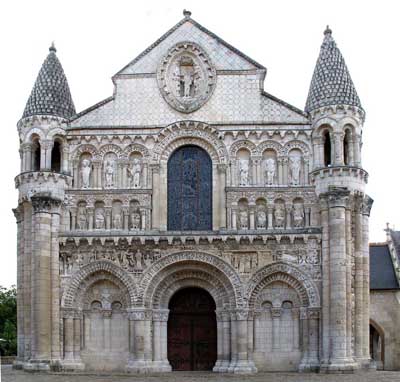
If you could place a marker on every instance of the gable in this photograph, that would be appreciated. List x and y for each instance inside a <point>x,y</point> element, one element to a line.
<point>222,55</point>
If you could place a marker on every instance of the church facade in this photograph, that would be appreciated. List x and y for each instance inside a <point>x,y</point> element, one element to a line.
<point>193,221</point>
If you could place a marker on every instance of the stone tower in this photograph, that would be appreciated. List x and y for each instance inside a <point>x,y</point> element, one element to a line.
<point>337,119</point>
<point>43,179</point>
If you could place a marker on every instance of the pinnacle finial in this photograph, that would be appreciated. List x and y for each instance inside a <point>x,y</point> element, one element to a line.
<point>328,31</point>
<point>52,47</point>
<point>186,13</point>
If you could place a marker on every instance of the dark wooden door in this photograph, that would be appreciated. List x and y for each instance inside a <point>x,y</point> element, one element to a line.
<point>192,330</point>
<point>189,190</point>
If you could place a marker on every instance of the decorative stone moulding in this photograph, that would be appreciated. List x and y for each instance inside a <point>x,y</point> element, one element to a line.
<point>186,77</point>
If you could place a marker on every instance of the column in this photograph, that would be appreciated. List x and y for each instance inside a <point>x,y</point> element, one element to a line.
<point>46,145</point>
<point>257,330</point>
<point>160,360</point>
<point>366,209</point>
<point>155,218</point>
<point>90,214</point>
<point>234,216</point>
<point>351,149</point>
<point>276,319</point>
<point>220,339</point>
<point>125,212</point>
<point>147,333</point>
<point>250,341</point>
<point>285,176</point>
<point>222,195</point>
<point>357,150</point>
<point>324,212</point>
<point>41,323</point>
<point>313,338</point>
<point>233,173</point>
<point>338,149</point>
<point>242,364</point>
<point>226,343</point>
<point>27,276</point>
<point>304,364</point>
<point>288,207</point>
<point>270,215</point>
<point>75,170</point>
<point>77,337</point>
<point>296,333</point>
<point>280,170</point>
<point>337,201</point>
<point>19,216</point>
<point>26,163</point>
<point>234,349</point>
<point>145,175</point>
<point>143,219</point>
<point>108,217</point>
<point>137,362</point>
<point>68,336</point>
<point>349,318</point>
<point>164,340</point>
<point>65,160</point>
<point>306,170</point>
<point>252,210</point>
<point>318,152</point>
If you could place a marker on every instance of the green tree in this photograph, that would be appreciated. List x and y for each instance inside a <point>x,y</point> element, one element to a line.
<point>8,321</point>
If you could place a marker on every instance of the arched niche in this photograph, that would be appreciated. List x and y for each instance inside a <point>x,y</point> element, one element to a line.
<point>270,167</point>
<point>296,167</point>
<point>244,166</point>
<point>261,213</point>
<point>36,153</point>
<point>110,175</point>
<point>85,173</point>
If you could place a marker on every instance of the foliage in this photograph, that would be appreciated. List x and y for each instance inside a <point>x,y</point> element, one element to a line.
<point>8,321</point>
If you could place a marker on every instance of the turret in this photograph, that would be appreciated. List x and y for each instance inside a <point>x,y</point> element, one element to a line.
<point>337,119</point>
<point>42,182</point>
<point>41,129</point>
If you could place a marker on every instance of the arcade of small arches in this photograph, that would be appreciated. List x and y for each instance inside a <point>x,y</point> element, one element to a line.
<point>109,317</point>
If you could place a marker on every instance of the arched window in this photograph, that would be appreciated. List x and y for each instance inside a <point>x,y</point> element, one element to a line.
<point>36,155</point>
<point>189,190</point>
<point>56,157</point>
<point>346,148</point>
<point>327,149</point>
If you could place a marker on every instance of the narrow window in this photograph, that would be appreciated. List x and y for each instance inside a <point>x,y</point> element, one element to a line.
<point>56,157</point>
<point>346,148</point>
<point>36,156</point>
<point>327,149</point>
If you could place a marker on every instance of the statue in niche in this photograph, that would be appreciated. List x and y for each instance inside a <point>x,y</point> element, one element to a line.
<point>279,216</point>
<point>134,173</point>
<point>117,219</point>
<point>298,215</point>
<point>135,219</point>
<point>244,172</point>
<point>243,219</point>
<point>99,219</point>
<point>109,174</point>
<point>186,75</point>
<point>86,169</point>
<point>82,219</point>
<point>261,219</point>
<point>294,168</point>
<point>70,264</point>
<point>270,168</point>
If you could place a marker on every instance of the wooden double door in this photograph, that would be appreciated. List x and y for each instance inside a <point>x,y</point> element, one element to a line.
<point>192,330</point>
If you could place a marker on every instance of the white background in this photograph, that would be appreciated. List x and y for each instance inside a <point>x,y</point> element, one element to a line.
<point>95,39</point>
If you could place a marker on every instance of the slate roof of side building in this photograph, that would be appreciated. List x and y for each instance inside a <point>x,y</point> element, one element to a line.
<point>382,274</point>
<point>331,83</point>
<point>50,94</point>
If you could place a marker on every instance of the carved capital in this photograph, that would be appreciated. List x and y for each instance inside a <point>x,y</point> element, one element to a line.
<point>155,168</point>
<point>26,147</point>
<point>242,314</point>
<point>303,313</point>
<point>313,313</point>
<point>46,144</point>
<point>337,197</point>
<point>276,312</point>
<point>68,313</point>
<point>221,168</point>
<point>18,213</point>
<point>44,203</point>
<point>161,315</point>
<point>106,313</point>
<point>366,205</point>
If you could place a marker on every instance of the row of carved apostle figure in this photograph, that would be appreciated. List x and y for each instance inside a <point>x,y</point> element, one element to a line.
<point>270,171</point>
<point>134,173</point>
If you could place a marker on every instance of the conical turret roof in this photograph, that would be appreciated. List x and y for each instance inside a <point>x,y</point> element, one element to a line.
<point>50,94</point>
<point>331,83</point>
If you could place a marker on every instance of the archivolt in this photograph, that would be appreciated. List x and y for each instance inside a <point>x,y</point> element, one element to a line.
<point>287,273</point>
<point>196,261</point>
<point>81,281</point>
<point>189,133</point>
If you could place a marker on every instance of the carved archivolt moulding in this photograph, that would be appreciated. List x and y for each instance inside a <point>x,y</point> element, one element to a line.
<point>186,77</point>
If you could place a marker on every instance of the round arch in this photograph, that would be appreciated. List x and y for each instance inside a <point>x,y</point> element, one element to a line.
<point>209,267</point>
<point>289,274</point>
<point>81,281</point>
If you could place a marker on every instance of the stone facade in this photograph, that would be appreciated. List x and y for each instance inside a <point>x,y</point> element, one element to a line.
<point>284,257</point>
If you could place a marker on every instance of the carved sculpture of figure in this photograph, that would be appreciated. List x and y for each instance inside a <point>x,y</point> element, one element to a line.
<point>135,220</point>
<point>86,170</point>
<point>134,173</point>
<point>261,219</point>
<point>294,167</point>
<point>70,264</point>
<point>243,220</point>
<point>99,219</point>
<point>298,215</point>
<point>138,259</point>
<point>117,219</point>
<point>109,174</point>
<point>270,170</point>
<point>244,172</point>
<point>82,220</point>
<point>279,216</point>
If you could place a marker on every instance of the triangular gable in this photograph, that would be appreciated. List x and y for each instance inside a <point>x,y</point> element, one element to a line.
<point>223,55</point>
